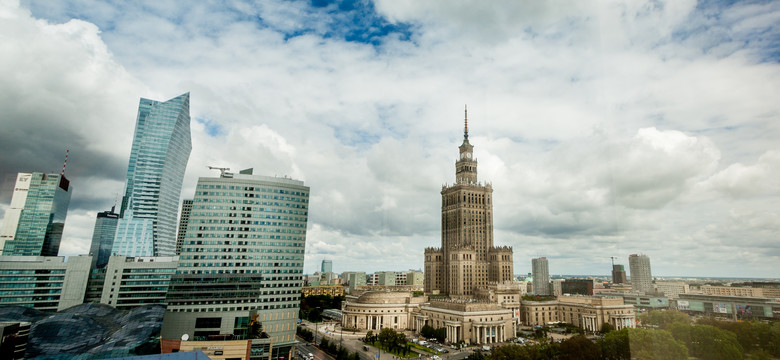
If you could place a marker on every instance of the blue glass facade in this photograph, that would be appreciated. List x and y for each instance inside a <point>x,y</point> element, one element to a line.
<point>103,237</point>
<point>158,158</point>
<point>42,219</point>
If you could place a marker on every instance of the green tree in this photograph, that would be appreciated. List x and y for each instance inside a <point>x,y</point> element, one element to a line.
<point>708,342</point>
<point>606,328</point>
<point>440,334</point>
<point>614,346</point>
<point>664,318</point>
<point>427,331</point>
<point>579,348</point>
<point>647,344</point>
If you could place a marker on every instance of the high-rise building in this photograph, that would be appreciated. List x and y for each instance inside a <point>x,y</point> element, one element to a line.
<point>103,237</point>
<point>541,273</point>
<point>34,222</point>
<point>619,274</point>
<point>327,266</point>
<point>158,158</point>
<point>184,218</point>
<point>467,258</point>
<point>241,263</point>
<point>641,277</point>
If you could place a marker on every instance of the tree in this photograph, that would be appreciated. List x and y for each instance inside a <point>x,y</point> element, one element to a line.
<point>663,319</point>
<point>708,342</point>
<point>579,348</point>
<point>606,328</point>
<point>648,344</point>
<point>427,331</point>
<point>614,346</point>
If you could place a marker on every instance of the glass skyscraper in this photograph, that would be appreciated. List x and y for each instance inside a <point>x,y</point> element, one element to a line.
<point>34,222</point>
<point>241,261</point>
<point>103,237</point>
<point>158,158</point>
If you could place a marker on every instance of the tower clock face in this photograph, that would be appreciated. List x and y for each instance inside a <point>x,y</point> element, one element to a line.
<point>468,155</point>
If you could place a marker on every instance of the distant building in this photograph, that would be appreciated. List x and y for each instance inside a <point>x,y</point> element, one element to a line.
<point>415,278</point>
<point>333,291</point>
<point>184,219</point>
<point>467,258</point>
<point>158,157</point>
<point>641,277</point>
<point>671,289</point>
<point>731,307</point>
<point>557,288</point>
<point>355,279</point>
<point>385,278</point>
<point>578,286</point>
<point>541,273</point>
<point>327,266</point>
<point>619,274</point>
<point>103,237</point>
<point>731,291</point>
<point>34,221</point>
<point>241,265</point>
<point>44,283</point>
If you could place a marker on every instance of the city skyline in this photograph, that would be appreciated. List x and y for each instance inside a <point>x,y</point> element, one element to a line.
<point>606,129</point>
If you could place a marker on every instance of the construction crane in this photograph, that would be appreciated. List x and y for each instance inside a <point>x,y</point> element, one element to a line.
<point>221,169</point>
<point>613,259</point>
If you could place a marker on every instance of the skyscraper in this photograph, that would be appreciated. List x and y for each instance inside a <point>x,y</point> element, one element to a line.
<point>184,219</point>
<point>641,277</point>
<point>327,266</point>
<point>34,222</point>
<point>541,273</point>
<point>158,158</point>
<point>467,258</point>
<point>619,274</point>
<point>103,237</point>
<point>241,261</point>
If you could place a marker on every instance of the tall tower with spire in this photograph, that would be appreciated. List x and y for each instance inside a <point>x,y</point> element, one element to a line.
<point>467,259</point>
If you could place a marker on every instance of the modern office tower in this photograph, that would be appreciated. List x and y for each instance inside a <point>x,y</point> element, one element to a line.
<point>241,262</point>
<point>619,274</point>
<point>127,282</point>
<point>34,222</point>
<point>386,278</point>
<point>158,158</point>
<point>541,272</point>
<point>467,258</point>
<point>43,282</point>
<point>184,218</point>
<point>641,277</point>
<point>327,266</point>
<point>103,237</point>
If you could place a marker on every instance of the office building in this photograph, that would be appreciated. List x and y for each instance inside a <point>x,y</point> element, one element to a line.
<point>128,282</point>
<point>578,286</point>
<point>415,278</point>
<point>541,273</point>
<point>327,266</point>
<point>34,221</point>
<point>158,158</point>
<point>43,283</point>
<point>672,289</point>
<point>619,274</point>
<point>103,237</point>
<point>467,258</point>
<point>184,218</point>
<point>641,277</point>
<point>13,339</point>
<point>356,279</point>
<point>241,262</point>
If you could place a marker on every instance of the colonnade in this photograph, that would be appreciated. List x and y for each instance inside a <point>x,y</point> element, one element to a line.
<point>489,333</point>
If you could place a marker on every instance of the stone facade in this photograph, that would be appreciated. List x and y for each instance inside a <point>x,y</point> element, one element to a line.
<point>469,321</point>
<point>587,312</point>
<point>467,258</point>
<point>374,310</point>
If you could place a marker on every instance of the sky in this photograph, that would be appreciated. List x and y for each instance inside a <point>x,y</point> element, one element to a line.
<point>606,128</point>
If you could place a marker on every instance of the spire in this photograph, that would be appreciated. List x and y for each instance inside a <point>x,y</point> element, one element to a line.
<point>67,151</point>
<point>466,121</point>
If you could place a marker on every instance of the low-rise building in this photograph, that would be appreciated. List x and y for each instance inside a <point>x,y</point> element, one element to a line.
<point>671,289</point>
<point>374,310</point>
<point>48,283</point>
<point>333,291</point>
<point>587,312</point>
<point>469,321</point>
<point>732,291</point>
<point>129,282</point>
<point>734,307</point>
